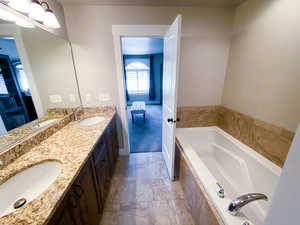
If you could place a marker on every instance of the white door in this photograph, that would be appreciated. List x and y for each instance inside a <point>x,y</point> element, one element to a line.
<point>170,74</point>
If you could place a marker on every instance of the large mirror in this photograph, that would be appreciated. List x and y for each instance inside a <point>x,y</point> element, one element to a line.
<point>36,73</point>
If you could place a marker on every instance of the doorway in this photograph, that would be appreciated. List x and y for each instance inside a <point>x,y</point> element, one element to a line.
<point>171,51</point>
<point>143,70</point>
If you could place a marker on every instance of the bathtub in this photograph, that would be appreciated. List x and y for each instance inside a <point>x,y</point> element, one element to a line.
<point>218,157</point>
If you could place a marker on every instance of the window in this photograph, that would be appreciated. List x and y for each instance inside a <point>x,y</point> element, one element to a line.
<point>137,78</point>
<point>22,79</point>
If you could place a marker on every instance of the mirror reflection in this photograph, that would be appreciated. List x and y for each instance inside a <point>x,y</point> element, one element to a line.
<point>36,75</point>
<point>16,105</point>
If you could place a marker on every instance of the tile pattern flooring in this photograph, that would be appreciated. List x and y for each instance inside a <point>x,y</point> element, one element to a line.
<point>142,194</point>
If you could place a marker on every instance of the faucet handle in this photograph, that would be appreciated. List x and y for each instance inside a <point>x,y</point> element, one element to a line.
<point>221,192</point>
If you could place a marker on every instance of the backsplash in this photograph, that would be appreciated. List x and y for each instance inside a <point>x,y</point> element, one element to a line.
<point>198,116</point>
<point>271,141</point>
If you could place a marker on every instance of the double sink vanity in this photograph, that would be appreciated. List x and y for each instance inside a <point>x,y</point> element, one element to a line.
<point>65,178</point>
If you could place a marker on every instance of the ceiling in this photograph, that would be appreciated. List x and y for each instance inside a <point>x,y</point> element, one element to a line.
<point>181,3</point>
<point>142,45</point>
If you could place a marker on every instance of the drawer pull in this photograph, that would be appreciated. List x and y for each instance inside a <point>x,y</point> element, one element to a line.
<point>73,201</point>
<point>78,190</point>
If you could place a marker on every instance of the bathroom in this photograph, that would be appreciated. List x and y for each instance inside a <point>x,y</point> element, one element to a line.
<point>229,124</point>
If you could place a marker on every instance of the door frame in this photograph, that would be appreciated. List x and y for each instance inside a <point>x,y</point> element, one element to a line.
<point>119,31</point>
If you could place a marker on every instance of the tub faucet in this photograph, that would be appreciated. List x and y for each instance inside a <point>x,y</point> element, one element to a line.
<point>238,203</point>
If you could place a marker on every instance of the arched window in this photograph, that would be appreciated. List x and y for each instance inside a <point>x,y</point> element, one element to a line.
<point>137,78</point>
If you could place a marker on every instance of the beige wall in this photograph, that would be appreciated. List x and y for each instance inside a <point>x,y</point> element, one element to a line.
<point>263,74</point>
<point>205,45</point>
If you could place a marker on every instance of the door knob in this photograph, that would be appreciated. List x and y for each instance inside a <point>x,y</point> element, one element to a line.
<point>171,120</point>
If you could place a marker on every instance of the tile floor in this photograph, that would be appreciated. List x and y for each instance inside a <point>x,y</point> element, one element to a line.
<point>146,137</point>
<point>142,194</point>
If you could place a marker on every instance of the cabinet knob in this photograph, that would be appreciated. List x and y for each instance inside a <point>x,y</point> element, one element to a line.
<point>73,201</point>
<point>78,190</point>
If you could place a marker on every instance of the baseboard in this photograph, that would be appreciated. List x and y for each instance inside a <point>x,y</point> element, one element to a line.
<point>123,152</point>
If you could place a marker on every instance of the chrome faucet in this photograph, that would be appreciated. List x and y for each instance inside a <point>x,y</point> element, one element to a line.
<point>221,191</point>
<point>238,203</point>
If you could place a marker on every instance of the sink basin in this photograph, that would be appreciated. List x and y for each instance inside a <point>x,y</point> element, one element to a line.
<point>91,121</point>
<point>45,123</point>
<point>27,185</point>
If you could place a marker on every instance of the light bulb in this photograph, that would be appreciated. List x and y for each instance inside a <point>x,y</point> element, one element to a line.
<point>8,16</point>
<point>37,12</point>
<point>24,23</point>
<point>20,5</point>
<point>50,19</point>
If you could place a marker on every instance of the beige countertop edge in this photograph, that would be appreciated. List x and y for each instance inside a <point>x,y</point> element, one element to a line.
<point>58,147</point>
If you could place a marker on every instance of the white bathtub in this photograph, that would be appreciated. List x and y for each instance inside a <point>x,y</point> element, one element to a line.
<point>218,157</point>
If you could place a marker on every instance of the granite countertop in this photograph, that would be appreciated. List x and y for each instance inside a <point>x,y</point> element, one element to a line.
<point>13,136</point>
<point>71,146</point>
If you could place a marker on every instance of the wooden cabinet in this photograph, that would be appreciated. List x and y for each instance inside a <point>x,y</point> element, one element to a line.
<point>63,215</point>
<point>83,204</point>
<point>84,189</point>
<point>102,169</point>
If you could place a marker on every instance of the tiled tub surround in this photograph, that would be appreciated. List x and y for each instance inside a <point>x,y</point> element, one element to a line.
<point>71,146</point>
<point>201,207</point>
<point>268,140</point>
<point>198,116</point>
<point>271,141</point>
<point>217,157</point>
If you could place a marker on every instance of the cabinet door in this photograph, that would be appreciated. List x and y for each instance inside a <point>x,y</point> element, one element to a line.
<point>114,138</point>
<point>85,189</point>
<point>103,176</point>
<point>63,215</point>
<point>110,151</point>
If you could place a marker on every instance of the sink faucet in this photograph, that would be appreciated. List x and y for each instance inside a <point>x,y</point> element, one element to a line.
<point>238,203</point>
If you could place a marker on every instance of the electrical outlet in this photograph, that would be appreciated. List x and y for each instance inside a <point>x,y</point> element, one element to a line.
<point>55,98</point>
<point>88,97</point>
<point>72,98</point>
<point>104,97</point>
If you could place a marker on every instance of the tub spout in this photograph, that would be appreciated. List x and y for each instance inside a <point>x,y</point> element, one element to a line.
<point>238,203</point>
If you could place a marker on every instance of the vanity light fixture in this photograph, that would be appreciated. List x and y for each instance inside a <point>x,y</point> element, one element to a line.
<point>32,8</point>
<point>50,19</point>
<point>20,5</point>
<point>37,11</point>
<point>24,23</point>
<point>8,16</point>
